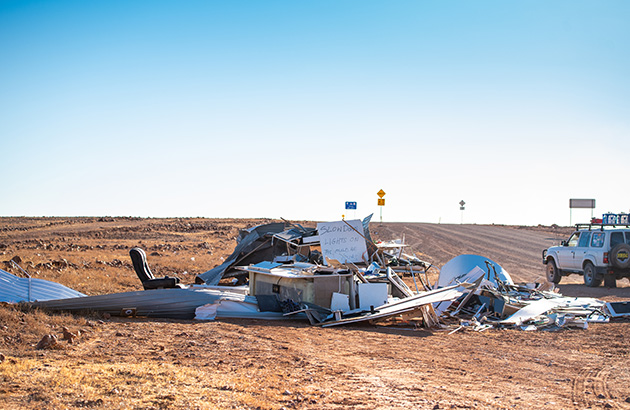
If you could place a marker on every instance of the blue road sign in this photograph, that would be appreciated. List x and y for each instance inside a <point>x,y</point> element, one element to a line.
<point>351,205</point>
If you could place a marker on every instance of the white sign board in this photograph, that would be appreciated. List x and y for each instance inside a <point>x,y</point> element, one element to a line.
<point>342,242</point>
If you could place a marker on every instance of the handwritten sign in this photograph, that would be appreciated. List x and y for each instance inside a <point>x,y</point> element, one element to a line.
<point>342,242</point>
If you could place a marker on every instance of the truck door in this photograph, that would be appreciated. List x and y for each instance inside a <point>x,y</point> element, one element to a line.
<point>581,250</point>
<point>566,254</point>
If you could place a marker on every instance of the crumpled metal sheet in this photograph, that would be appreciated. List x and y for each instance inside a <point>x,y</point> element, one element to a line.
<point>15,289</point>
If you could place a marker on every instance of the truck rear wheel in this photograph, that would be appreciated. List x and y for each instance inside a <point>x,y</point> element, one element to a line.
<point>610,280</point>
<point>553,274</point>
<point>591,279</point>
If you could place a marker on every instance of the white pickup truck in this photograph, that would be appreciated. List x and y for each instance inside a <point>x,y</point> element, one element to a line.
<point>599,252</point>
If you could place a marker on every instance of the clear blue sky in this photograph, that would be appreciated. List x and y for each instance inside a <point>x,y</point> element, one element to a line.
<point>290,108</point>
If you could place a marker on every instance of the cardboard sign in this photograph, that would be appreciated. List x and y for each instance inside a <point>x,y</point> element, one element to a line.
<point>342,242</point>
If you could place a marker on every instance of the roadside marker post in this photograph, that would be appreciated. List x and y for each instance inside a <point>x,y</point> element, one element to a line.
<point>381,201</point>
<point>352,205</point>
<point>461,208</point>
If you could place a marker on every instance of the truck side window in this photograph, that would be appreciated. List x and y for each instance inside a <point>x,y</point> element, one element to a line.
<point>615,239</point>
<point>628,238</point>
<point>584,239</point>
<point>573,240</point>
<point>598,239</point>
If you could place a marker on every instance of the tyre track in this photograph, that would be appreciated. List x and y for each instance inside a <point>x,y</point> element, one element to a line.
<point>591,388</point>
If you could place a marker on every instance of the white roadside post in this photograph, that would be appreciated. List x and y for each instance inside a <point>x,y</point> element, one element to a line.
<point>351,205</point>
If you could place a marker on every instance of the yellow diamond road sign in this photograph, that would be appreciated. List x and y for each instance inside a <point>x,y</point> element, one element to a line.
<point>381,193</point>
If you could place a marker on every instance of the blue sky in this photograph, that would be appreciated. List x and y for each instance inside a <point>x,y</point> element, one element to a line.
<point>290,108</point>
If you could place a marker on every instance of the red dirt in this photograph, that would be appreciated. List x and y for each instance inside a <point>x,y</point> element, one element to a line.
<point>142,363</point>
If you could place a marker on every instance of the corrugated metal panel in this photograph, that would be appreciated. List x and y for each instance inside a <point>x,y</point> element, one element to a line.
<point>15,289</point>
<point>168,303</point>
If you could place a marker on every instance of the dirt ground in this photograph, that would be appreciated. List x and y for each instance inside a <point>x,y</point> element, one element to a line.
<point>144,363</point>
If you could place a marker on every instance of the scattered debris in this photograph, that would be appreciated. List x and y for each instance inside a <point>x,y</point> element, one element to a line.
<point>496,301</point>
<point>331,275</point>
<point>410,306</point>
<point>258,244</point>
<point>618,309</point>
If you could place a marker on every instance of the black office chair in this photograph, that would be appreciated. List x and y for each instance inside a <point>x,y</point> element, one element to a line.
<point>140,265</point>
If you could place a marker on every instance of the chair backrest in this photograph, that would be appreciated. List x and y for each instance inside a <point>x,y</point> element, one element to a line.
<point>139,260</point>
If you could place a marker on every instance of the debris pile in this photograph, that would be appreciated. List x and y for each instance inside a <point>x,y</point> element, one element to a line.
<point>334,275</point>
<point>495,300</point>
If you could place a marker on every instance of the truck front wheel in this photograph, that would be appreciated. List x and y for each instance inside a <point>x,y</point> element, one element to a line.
<point>591,279</point>
<point>553,274</point>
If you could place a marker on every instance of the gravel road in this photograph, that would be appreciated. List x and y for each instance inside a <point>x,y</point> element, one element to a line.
<point>517,248</point>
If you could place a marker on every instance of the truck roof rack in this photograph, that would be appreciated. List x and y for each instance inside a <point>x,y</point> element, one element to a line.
<point>599,226</point>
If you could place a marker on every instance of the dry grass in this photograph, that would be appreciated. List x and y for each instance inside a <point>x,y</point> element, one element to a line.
<point>92,256</point>
<point>121,364</point>
<point>109,368</point>
<point>21,327</point>
<point>56,384</point>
